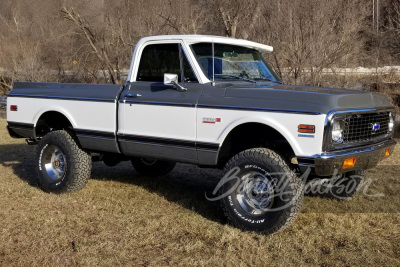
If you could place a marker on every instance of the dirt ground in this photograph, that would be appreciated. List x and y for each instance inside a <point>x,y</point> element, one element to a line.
<point>124,219</point>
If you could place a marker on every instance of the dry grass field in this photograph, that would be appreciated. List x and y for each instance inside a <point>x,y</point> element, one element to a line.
<point>123,218</point>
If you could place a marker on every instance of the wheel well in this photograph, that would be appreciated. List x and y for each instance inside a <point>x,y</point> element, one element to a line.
<point>51,121</point>
<point>251,135</point>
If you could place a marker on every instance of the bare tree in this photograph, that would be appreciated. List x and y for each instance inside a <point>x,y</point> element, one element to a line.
<point>96,44</point>
<point>189,18</point>
<point>237,16</point>
<point>311,35</point>
<point>393,28</point>
<point>21,53</point>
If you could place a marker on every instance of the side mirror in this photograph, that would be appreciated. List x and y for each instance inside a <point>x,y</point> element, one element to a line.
<point>173,79</point>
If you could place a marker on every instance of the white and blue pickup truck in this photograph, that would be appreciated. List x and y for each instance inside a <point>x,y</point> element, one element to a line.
<point>214,102</point>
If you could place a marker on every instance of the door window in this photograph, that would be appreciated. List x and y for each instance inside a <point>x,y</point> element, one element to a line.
<point>158,59</point>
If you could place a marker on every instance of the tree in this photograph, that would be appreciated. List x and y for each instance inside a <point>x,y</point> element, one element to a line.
<point>393,28</point>
<point>185,17</point>
<point>237,16</point>
<point>21,53</point>
<point>97,44</point>
<point>312,35</point>
<point>40,42</point>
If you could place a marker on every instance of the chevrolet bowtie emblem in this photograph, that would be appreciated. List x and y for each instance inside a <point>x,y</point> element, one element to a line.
<point>375,127</point>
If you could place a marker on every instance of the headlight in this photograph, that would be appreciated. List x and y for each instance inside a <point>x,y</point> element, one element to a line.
<point>391,122</point>
<point>337,131</point>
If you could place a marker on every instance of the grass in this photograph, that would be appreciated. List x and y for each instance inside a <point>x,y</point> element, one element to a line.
<point>123,218</point>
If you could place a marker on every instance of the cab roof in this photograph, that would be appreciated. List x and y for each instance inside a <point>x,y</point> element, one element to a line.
<point>192,39</point>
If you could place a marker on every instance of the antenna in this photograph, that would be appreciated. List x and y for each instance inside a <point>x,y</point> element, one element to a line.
<point>213,71</point>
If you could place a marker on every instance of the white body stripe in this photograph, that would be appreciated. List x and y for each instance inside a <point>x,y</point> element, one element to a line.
<point>97,116</point>
<point>158,121</point>
<point>182,123</point>
<point>284,123</point>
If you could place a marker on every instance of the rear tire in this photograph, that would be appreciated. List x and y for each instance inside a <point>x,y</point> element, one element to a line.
<point>152,167</point>
<point>61,165</point>
<point>264,194</point>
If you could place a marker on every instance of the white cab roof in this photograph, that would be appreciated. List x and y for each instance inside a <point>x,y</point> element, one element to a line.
<point>187,40</point>
<point>192,39</point>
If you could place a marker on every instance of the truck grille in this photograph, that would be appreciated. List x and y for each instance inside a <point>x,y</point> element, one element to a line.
<point>365,127</point>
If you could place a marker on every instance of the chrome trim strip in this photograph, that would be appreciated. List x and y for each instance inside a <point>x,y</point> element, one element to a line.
<point>158,103</point>
<point>260,109</point>
<point>64,98</point>
<point>220,107</point>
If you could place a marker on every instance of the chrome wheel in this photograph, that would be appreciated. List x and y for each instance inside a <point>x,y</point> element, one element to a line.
<point>54,162</point>
<point>255,193</point>
<point>259,192</point>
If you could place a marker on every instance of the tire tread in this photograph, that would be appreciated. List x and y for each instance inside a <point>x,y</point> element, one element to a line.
<point>79,163</point>
<point>267,157</point>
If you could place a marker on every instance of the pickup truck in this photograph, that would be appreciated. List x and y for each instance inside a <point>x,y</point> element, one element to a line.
<point>214,102</point>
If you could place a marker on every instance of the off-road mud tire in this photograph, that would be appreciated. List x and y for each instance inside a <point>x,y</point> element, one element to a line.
<point>286,199</point>
<point>68,166</point>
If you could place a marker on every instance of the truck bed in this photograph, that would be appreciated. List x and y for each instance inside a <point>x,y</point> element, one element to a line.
<point>66,91</point>
<point>90,108</point>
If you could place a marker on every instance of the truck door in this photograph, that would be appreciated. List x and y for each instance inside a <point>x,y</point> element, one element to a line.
<point>156,120</point>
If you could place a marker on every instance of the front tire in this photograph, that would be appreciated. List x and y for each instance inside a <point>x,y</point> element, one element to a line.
<point>61,165</point>
<point>262,193</point>
<point>152,167</point>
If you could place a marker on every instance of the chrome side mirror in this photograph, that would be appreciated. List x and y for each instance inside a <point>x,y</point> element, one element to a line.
<point>170,78</point>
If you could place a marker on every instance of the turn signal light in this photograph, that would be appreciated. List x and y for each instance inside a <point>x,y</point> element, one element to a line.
<point>387,153</point>
<point>14,108</point>
<point>303,128</point>
<point>349,163</point>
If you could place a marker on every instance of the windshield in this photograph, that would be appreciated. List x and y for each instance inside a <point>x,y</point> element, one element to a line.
<point>233,63</point>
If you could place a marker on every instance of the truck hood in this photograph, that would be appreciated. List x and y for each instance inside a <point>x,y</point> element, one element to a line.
<point>304,98</point>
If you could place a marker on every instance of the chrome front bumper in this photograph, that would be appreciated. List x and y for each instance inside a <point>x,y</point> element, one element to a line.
<point>329,163</point>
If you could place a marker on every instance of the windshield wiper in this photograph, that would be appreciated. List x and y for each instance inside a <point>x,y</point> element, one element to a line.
<point>263,79</point>
<point>268,80</point>
<point>241,77</point>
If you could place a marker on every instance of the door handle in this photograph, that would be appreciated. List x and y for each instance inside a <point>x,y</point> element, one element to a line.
<point>133,95</point>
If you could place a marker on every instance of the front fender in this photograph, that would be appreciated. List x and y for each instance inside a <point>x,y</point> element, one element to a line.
<point>287,126</point>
